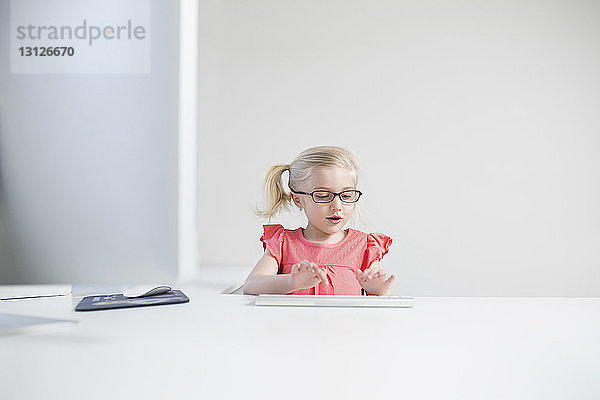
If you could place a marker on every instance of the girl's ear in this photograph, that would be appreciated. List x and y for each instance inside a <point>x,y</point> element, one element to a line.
<point>296,200</point>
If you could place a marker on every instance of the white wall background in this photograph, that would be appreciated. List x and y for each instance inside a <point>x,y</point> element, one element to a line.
<point>476,124</point>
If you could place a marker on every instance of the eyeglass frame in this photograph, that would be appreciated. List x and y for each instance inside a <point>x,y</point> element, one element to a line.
<point>333,193</point>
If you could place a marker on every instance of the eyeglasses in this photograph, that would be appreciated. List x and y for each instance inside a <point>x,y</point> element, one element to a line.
<point>325,196</point>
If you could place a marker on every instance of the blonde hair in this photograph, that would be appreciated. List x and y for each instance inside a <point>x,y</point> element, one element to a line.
<point>300,169</point>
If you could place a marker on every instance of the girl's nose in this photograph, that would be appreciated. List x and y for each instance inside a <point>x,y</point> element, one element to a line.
<point>336,204</point>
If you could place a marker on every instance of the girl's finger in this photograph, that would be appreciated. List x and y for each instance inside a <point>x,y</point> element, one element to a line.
<point>320,272</point>
<point>324,277</point>
<point>373,274</point>
<point>318,279</point>
<point>363,274</point>
<point>390,279</point>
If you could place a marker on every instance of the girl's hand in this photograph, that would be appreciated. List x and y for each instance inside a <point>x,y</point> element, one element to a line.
<point>368,272</point>
<point>306,274</point>
<point>375,282</point>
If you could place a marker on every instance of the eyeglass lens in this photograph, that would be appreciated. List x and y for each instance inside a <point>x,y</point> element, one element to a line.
<point>347,196</point>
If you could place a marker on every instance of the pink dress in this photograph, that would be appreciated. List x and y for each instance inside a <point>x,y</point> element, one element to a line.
<point>355,252</point>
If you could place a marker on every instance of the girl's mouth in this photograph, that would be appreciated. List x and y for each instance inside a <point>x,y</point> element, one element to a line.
<point>334,220</point>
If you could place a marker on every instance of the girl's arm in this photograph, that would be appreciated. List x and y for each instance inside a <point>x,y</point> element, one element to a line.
<point>264,279</point>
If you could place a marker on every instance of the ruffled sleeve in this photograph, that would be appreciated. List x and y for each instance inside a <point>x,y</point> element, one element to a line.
<point>378,245</point>
<point>272,239</point>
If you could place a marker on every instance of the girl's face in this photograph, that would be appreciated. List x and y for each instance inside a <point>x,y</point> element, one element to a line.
<point>326,219</point>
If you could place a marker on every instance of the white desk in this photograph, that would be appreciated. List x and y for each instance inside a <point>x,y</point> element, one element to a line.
<point>220,346</point>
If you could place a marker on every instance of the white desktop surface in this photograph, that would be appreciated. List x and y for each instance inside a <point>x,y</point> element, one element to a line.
<point>221,346</point>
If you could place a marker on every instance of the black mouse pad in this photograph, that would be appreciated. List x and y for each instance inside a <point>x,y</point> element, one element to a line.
<point>110,301</point>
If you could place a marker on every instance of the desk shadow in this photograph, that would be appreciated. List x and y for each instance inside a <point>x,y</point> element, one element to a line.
<point>222,288</point>
<point>237,288</point>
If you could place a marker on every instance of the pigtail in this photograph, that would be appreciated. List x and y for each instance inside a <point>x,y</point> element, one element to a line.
<point>276,197</point>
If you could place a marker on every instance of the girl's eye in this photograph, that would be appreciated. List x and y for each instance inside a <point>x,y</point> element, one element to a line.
<point>349,196</point>
<point>322,196</point>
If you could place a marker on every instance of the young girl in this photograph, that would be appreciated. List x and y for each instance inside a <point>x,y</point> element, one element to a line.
<point>322,258</point>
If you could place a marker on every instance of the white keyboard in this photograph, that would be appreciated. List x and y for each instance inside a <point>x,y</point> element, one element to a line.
<point>333,301</point>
